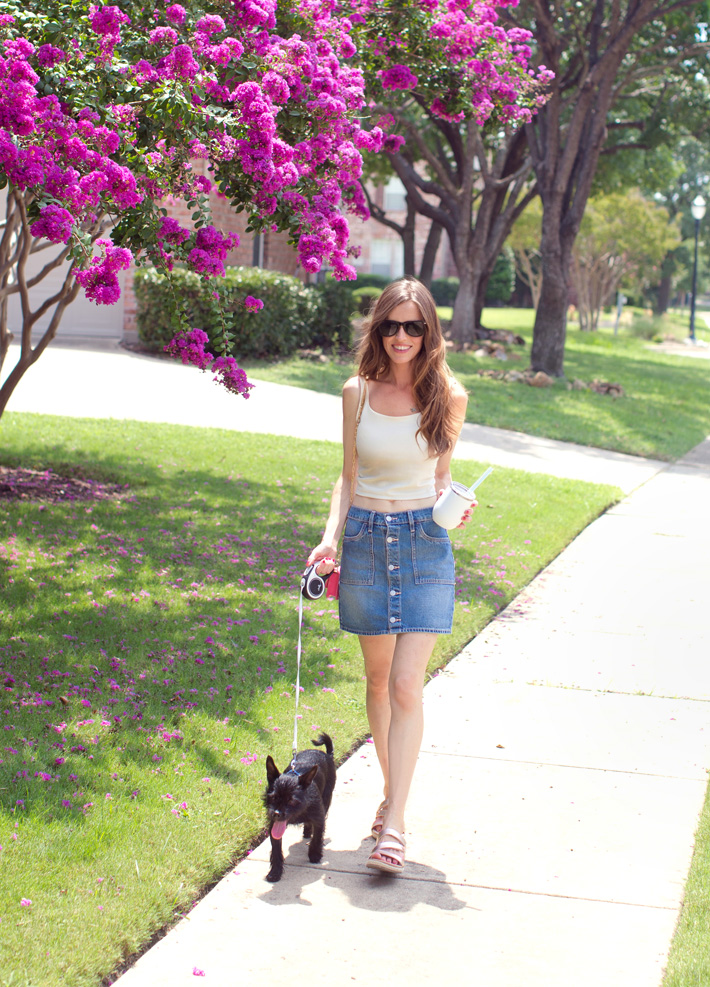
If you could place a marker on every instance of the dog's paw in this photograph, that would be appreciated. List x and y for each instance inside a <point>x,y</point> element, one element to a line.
<point>273,876</point>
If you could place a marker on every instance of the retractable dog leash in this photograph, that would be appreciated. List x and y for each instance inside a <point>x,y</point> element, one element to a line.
<point>312,587</point>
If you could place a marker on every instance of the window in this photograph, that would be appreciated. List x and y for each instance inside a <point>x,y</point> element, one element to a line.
<point>395,194</point>
<point>386,257</point>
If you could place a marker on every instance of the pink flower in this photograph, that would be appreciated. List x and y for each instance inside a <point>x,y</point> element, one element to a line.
<point>190,347</point>
<point>54,224</point>
<point>175,13</point>
<point>108,20</point>
<point>210,24</point>
<point>231,376</point>
<point>397,77</point>
<point>25,902</point>
<point>253,304</point>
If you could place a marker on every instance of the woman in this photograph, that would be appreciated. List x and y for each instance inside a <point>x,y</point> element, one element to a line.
<point>402,414</point>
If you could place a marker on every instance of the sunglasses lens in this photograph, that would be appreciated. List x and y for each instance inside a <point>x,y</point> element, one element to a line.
<point>391,328</point>
<point>414,328</point>
<point>388,328</point>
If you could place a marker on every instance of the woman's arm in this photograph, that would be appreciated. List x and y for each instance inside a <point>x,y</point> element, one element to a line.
<point>459,401</point>
<point>340,498</point>
<point>442,475</point>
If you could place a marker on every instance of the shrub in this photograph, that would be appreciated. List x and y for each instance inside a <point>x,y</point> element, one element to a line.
<point>365,298</point>
<point>444,290</point>
<point>336,304</point>
<point>502,280</point>
<point>294,314</point>
<point>645,327</point>
<point>371,281</point>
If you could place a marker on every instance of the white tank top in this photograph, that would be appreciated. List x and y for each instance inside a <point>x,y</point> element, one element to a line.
<point>393,461</point>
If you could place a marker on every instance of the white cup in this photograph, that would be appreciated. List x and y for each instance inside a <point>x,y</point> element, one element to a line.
<point>449,508</point>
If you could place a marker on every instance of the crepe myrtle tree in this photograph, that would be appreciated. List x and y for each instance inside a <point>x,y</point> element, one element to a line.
<point>107,111</point>
<point>457,85</point>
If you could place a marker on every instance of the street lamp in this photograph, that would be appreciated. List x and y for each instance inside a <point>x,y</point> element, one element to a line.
<point>698,210</point>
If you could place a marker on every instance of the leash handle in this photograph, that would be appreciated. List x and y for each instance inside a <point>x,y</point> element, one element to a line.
<point>298,671</point>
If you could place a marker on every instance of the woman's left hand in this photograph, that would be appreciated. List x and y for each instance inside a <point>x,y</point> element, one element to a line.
<point>467,514</point>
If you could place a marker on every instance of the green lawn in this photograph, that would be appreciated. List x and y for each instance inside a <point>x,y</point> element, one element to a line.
<point>147,663</point>
<point>664,413</point>
<point>689,961</point>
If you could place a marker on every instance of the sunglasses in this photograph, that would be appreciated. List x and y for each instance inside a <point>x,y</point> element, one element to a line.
<point>390,328</point>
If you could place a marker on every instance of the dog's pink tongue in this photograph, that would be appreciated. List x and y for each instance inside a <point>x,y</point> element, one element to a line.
<point>278,829</point>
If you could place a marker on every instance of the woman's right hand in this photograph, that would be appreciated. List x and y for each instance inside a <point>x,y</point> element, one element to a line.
<point>323,551</point>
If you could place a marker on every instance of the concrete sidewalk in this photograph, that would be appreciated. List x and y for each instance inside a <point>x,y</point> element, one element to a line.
<point>111,382</point>
<point>563,768</point>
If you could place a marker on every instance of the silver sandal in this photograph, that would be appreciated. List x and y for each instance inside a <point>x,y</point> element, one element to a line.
<point>391,844</point>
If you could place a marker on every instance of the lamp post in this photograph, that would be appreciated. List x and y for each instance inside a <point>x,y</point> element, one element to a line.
<point>697,208</point>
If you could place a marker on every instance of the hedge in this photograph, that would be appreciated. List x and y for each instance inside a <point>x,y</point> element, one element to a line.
<point>365,298</point>
<point>444,290</point>
<point>294,315</point>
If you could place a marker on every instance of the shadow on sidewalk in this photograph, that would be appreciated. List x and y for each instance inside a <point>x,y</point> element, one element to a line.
<point>345,871</point>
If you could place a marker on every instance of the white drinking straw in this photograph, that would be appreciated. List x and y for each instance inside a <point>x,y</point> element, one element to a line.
<point>480,479</point>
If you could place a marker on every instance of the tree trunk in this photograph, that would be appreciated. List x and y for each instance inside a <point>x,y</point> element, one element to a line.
<point>426,271</point>
<point>550,330</point>
<point>664,294</point>
<point>481,299</point>
<point>463,320</point>
<point>408,239</point>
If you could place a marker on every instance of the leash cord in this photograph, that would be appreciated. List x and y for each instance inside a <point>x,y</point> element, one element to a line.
<point>298,671</point>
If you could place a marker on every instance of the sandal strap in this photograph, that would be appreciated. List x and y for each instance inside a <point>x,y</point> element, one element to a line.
<point>396,834</point>
<point>394,847</point>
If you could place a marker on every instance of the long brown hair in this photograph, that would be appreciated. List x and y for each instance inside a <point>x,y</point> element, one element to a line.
<point>432,377</point>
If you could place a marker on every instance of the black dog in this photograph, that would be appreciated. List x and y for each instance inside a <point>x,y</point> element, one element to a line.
<point>300,795</point>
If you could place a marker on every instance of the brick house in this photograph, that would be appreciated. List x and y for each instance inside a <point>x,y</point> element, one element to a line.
<point>381,252</point>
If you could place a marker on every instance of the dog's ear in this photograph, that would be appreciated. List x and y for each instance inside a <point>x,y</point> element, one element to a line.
<point>305,780</point>
<point>272,772</point>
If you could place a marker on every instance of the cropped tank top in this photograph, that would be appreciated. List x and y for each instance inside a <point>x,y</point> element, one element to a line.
<point>393,461</point>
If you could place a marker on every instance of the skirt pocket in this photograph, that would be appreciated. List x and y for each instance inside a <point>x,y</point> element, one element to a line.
<point>357,564</point>
<point>432,556</point>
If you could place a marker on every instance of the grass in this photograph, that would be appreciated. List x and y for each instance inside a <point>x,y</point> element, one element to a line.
<point>147,665</point>
<point>689,960</point>
<point>664,413</point>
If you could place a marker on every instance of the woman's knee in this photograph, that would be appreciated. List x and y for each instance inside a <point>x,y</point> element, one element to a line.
<point>405,691</point>
<point>378,684</point>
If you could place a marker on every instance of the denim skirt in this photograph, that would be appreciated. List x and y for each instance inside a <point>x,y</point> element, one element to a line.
<point>396,574</point>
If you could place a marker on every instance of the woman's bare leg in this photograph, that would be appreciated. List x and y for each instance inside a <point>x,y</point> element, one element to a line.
<point>378,652</point>
<point>406,683</point>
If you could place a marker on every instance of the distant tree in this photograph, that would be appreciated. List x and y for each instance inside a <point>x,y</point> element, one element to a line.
<point>601,53</point>
<point>622,242</point>
<point>524,240</point>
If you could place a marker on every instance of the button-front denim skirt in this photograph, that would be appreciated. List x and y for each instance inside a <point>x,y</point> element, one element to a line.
<point>396,574</point>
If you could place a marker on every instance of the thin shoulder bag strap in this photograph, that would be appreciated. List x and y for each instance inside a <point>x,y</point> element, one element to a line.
<point>361,405</point>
